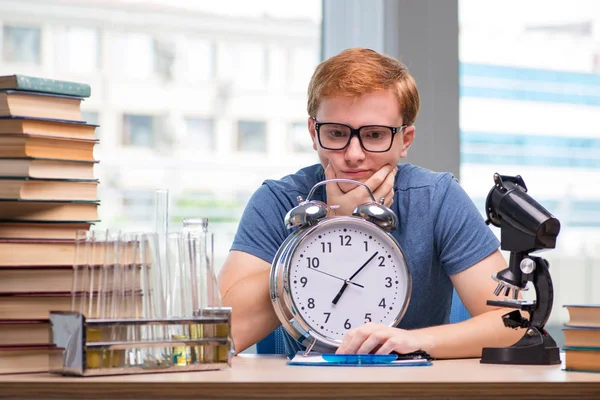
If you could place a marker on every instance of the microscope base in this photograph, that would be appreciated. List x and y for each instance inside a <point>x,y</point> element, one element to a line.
<point>535,348</point>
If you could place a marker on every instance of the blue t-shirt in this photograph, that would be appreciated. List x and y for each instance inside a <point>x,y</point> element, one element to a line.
<point>439,229</point>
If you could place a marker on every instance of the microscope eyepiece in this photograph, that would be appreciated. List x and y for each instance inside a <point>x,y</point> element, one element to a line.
<point>526,225</point>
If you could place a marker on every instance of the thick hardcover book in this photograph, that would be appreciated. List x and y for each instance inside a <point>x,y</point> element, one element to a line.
<point>23,188</point>
<point>581,336</point>
<point>56,279</point>
<point>38,305</point>
<point>40,105</point>
<point>36,146</point>
<point>47,127</point>
<point>583,314</point>
<point>42,230</point>
<point>45,168</point>
<point>582,359</point>
<point>48,211</point>
<point>24,359</point>
<point>15,252</point>
<point>45,85</point>
<point>23,332</point>
<point>26,279</point>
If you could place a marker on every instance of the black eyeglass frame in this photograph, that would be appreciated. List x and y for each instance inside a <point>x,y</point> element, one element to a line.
<point>356,132</point>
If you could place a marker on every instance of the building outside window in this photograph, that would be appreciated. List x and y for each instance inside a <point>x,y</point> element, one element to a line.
<point>252,136</point>
<point>200,133</point>
<point>138,203</point>
<point>530,106</point>
<point>244,63</point>
<point>299,139</point>
<point>138,130</point>
<point>78,49</point>
<point>21,44</point>
<point>195,60</point>
<point>302,63</point>
<point>151,68</point>
<point>134,55</point>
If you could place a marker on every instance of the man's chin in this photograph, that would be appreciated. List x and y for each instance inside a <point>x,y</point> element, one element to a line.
<point>346,186</point>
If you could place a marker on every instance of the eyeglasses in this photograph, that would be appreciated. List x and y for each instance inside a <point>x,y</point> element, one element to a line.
<point>372,138</point>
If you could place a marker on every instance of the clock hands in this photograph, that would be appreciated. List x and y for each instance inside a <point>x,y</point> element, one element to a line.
<point>336,277</point>
<point>349,280</point>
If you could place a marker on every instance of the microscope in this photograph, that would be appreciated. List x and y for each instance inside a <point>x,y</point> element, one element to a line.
<point>525,227</point>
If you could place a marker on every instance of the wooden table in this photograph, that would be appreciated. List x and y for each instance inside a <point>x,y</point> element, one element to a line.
<point>253,376</point>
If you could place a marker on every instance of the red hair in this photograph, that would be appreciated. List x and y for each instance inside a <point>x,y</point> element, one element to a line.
<point>355,72</point>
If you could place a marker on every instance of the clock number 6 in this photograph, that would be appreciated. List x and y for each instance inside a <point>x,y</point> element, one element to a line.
<point>347,324</point>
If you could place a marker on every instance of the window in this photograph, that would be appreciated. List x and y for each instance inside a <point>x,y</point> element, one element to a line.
<point>244,63</point>
<point>134,55</point>
<point>252,137</point>
<point>302,62</point>
<point>195,60</point>
<point>519,83</point>
<point>200,133</point>
<point>169,82</point>
<point>299,138</point>
<point>78,49</point>
<point>21,44</point>
<point>138,204</point>
<point>138,130</point>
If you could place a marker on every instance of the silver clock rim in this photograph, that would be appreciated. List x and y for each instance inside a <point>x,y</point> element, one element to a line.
<point>281,297</point>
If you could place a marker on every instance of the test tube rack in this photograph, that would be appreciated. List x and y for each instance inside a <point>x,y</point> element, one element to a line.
<point>78,352</point>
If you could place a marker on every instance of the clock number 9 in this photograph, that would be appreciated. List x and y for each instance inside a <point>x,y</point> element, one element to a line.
<point>304,281</point>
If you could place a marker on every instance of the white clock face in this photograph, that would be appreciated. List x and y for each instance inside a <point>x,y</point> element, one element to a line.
<point>346,273</point>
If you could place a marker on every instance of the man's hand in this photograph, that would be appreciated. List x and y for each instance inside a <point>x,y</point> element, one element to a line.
<point>381,185</point>
<point>381,339</point>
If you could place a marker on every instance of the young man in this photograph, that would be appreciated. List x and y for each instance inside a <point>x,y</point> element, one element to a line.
<point>362,106</point>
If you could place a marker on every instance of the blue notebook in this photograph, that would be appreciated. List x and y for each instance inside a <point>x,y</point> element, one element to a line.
<point>355,360</point>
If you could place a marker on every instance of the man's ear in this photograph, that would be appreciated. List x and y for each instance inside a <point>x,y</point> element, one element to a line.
<point>408,135</point>
<point>312,131</point>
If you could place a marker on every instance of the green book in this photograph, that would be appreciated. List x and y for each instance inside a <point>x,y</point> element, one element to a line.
<point>36,84</point>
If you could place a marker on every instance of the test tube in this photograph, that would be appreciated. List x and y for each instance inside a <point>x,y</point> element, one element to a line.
<point>152,275</point>
<point>162,230</point>
<point>80,271</point>
<point>129,290</point>
<point>95,358</point>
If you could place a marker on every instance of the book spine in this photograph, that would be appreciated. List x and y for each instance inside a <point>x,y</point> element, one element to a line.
<point>53,86</point>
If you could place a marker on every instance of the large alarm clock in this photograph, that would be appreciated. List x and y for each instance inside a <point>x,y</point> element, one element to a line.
<point>335,273</point>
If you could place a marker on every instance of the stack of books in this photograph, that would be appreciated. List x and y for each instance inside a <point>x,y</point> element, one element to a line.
<point>47,194</point>
<point>582,338</point>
